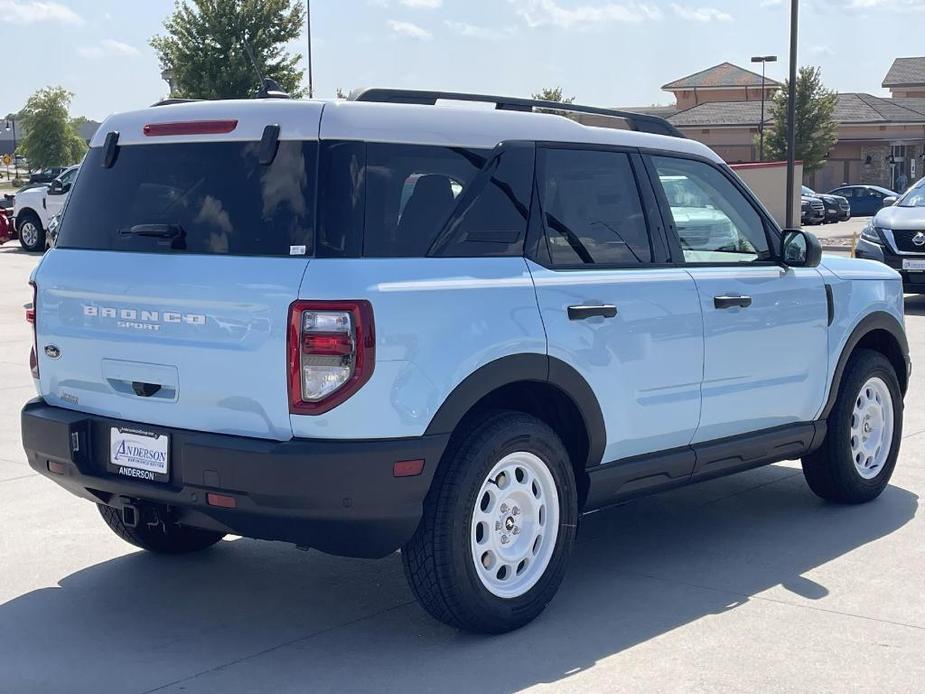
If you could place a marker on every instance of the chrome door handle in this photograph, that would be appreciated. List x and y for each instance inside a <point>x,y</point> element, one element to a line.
<point>732,301</point>
<point>582,312</point>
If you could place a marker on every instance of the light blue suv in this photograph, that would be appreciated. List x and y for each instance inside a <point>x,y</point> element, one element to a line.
<point>380,323</point>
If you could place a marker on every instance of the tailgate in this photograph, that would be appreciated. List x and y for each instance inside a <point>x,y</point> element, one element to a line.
<point>187,341</point>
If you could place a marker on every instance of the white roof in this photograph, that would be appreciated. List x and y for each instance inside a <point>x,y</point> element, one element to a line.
<point>379,122</point>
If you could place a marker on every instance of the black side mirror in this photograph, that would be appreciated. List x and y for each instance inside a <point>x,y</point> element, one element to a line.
<point>801,249</point>
<point>56,187</point>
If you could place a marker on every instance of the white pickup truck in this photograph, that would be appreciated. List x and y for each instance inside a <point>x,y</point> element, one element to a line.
<point>34,208</point>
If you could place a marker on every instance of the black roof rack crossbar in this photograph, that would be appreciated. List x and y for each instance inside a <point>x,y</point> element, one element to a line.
<point>642,122</point>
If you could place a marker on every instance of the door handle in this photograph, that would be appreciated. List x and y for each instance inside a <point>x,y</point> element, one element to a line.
<point>732,301</point>
<point>582,312</point>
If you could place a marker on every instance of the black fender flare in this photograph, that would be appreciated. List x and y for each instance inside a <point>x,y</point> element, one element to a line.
<point>525,368</point>
<point>880,320</point>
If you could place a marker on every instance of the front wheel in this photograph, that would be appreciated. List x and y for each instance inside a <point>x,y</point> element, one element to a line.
<point>498,526</point>
<point>857,458</point>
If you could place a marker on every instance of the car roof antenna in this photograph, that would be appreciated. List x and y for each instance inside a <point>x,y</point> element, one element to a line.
<point>269,87</point>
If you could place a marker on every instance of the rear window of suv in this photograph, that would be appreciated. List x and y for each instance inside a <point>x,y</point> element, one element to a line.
<point>204,197</point>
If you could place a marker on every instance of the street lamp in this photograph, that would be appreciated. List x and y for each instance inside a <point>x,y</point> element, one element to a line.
<point>764,60</point>
<point>11,125</point>
<point>792,110</point>
<point>308,31</point>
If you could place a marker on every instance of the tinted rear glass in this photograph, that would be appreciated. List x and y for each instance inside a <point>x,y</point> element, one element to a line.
<point>212,198</point>
<point>398,200</point>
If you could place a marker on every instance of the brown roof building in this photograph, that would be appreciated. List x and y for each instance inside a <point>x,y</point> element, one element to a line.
<point>880,140</point>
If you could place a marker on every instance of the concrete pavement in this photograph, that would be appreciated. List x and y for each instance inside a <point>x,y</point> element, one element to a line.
<point>741,584</point>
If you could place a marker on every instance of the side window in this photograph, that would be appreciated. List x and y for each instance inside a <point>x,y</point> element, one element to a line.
<point>714,221</point>
<point>591,208</point>
<point>411,191</point>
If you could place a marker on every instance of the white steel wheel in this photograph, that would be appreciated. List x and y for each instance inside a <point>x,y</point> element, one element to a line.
<point>871,428</point>
<point>514,525</point>
<point>29,233</point>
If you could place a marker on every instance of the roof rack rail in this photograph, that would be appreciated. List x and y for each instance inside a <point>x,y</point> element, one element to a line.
<point>642,122</point>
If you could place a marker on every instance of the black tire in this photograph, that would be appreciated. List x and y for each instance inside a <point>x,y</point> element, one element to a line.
<point>162,538</point>
<point>438,560</point>
<point>30,218</point>
<point>830,471</point>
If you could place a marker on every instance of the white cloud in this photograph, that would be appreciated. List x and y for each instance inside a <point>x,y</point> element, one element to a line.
<point>480,32</point>
<point>701,14</point>
<point>821,50</point>
<point>538,13</point>
<point>409,30</point>
<point>33,12</point>
<point>423,4</point>
<point>108,48</point>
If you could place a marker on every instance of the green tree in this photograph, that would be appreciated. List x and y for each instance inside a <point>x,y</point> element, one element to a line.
<point>553,94</point>
<point>816,127</point>
<point>203,50</point>
<point>49,137</point>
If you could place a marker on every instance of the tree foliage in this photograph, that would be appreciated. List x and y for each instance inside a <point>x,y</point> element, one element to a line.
<point>203,48</point>
<point>553,94</point>
<point>816,127</point>
<point>49,136</point>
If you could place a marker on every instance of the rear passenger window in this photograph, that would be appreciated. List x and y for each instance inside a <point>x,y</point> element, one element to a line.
<point>445,201</point>
<point>592,210</point>
<point>714,221</point>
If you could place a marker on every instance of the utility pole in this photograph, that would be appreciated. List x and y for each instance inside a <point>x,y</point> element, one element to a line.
<point>308,26</point>
<point>764,60</point>
<point>792,109</point>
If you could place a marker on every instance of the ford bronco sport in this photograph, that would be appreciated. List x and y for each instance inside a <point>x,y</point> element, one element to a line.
<point>380,323</point>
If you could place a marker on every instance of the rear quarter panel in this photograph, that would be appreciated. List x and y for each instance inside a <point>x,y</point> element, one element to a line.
<point>437,320</point>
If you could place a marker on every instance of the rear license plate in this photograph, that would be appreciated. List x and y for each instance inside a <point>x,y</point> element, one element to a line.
<point>913,264</point>
<point>143,455</point>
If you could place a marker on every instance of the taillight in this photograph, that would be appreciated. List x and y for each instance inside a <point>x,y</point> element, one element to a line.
<point>30,318</point>
<point>332,352</point>
<point>192,127</point>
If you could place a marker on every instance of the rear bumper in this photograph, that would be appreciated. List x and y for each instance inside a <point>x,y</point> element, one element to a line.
<point>337,496</point>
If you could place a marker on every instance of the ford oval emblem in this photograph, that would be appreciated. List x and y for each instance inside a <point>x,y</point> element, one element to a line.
<point>52,352</point>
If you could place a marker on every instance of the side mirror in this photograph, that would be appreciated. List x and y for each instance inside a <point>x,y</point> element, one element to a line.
<point>56,187</point>
<point>801,249</point>
<point>889,200</point>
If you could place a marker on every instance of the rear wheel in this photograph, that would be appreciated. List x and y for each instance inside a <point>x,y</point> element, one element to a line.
<point>857,459</point>
<point>498,526</point>
<point>31,233</point>
<point>163,538</point>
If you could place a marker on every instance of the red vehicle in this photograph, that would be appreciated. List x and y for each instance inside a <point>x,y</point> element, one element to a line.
<point>6,225</point>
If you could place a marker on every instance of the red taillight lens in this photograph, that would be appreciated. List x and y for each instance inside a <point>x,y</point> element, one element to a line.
<point>30,318</point>
<point>193,127</point>
<point>331,353</point>
<point>327,344</point>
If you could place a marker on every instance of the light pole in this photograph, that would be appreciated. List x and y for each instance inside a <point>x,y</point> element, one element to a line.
<point>11,125</point>
<point>764,60</point>
<point>308,27</point>
<point>792,109</point>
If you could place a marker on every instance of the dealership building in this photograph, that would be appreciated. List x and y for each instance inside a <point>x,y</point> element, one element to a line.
<point>878,138</point>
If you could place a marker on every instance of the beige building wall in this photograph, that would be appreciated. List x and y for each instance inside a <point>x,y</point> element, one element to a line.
<point>768,181</point>
<point>688,98</point>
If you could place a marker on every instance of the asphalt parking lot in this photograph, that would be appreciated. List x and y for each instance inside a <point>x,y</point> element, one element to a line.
<point>748,583</point>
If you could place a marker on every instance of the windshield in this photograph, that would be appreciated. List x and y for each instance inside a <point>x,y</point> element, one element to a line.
<point>914,197</point>
<point>200,197</point>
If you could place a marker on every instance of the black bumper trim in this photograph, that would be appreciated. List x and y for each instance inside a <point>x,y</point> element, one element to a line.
<point>337,496</point>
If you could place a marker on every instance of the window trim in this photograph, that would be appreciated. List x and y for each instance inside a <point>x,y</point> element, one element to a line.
<point>537,246</point>
<point>772,232</point>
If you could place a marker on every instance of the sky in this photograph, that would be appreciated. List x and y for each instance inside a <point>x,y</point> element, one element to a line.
<point>602,52</point>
